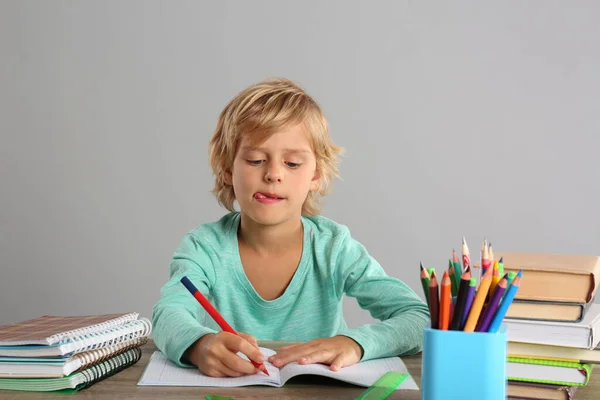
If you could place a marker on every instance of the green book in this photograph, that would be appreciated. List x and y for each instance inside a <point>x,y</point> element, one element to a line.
<point>555,372</point>
<point>77,381</point>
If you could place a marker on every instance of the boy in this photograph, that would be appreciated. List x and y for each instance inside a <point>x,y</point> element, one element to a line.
<point>276,269</point>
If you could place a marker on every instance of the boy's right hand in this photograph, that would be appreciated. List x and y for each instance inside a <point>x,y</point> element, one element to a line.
<point>215,354</point>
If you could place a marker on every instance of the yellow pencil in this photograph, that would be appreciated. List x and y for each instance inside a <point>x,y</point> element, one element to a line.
<point>496,277</point>
<point>484,286</point>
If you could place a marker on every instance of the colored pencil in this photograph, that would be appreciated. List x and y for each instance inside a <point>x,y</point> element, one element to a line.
<point>506,302</point>
<point>434,301</point>
<point>475,311</point>
<point>491,307</point>
<point>431,271</point>
<point>466,257</point>
<point>445,300</point>
<point>485,260</point>
<point>215,314</point>
<point>495,279</point>
<point>469,302</point>
<point>511,276</point>
<point>452,275</point>
<point>461,300</point>
<point>457,268</point>
<point>501,266</point>
<point>425,282</point>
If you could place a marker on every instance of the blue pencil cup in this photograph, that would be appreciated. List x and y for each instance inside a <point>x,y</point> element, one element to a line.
<point>463,365</point>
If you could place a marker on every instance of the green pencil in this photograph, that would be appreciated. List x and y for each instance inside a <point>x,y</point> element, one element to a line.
<point>425,282</point>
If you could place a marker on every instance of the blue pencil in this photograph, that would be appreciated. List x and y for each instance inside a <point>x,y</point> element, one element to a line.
<point>506,302</point>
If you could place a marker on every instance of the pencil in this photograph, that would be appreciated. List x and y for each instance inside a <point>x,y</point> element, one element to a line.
<point>466,257</point>
<point>434,301</point>
<point>506,302</point>
<point>425,282</point>
<point>469,302</point>
<point>482,292</point>
<point>457,269</point>
<point>485,260</point>
<point>215,314</point>
<point>445,301</point>
<point>452,275</point>
<point>495,279</point>
<point>461,300</point>
<point>491,307</point>
<point>501,266</point>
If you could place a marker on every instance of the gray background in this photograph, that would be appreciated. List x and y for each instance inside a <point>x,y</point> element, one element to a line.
<point>457,119</point>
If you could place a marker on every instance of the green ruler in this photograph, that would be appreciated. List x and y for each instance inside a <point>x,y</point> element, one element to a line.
<point>384,386</point>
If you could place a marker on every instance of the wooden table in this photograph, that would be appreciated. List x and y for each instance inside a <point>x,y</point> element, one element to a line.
<point>124,386</point>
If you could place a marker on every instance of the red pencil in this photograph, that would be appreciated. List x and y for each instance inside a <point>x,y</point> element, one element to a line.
<point>445,301</point>
<point>215,315</point>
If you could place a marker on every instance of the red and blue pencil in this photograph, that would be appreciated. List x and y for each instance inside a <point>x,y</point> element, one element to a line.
<point>215,315</point>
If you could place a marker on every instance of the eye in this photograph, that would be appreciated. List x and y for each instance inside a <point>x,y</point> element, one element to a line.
<point>255,162</point>
<point>292,165</point>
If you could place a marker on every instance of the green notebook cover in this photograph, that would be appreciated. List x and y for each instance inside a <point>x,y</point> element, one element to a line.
<point>77,381</point>
<point>584,369</point>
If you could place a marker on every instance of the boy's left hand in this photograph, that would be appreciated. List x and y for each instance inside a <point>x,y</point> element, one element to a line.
<point>337,351</point>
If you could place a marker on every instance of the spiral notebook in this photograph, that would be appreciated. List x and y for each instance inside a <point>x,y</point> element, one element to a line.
<point>60,336</point>
<point>76,381</point>
<point>49,367</point>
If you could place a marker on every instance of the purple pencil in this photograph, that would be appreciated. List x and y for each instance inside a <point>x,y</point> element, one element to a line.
<point>469,302</point>
<point>490,310</point>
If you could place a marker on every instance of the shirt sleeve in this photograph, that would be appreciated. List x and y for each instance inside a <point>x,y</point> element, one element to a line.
<point>401,312</point>
<point>175,317</point>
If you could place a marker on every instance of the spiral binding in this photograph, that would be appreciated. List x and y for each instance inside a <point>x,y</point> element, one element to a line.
<point>84,342</point>
<point>98,356</point>
<point>115,322</point>
<point>109,367</point>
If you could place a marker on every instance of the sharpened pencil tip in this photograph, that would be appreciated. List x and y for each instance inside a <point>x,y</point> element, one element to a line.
<point>501,258</point>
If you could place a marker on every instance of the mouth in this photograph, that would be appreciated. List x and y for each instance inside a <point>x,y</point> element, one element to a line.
<point>265,196</point>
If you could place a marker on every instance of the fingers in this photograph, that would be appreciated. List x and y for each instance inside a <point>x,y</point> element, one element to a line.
<point>233,365</point>
<point>295,353</point>
<point>341,361</point>
<point>284,348</point>
<point>320,356</point>
<point>249,338</point>
<point>236,344</point>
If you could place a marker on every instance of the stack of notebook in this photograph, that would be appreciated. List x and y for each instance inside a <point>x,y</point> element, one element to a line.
<point>552,325</point>
<point>69,353</point>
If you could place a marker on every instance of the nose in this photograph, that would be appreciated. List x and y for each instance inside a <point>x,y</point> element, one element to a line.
<point>274,174</point>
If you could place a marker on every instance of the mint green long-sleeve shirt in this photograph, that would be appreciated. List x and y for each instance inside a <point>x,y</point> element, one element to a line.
<point>332,265</point>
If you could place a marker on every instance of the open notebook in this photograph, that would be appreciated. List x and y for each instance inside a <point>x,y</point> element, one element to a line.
<point>162,372</point>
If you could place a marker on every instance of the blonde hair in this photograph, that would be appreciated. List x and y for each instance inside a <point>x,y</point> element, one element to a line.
<point>258,112</point>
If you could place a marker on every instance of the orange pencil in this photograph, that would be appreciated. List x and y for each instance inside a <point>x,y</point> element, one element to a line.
<point>482,292</point>
<point>445,300</point>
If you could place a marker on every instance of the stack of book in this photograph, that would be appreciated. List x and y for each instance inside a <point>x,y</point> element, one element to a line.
<point>552,324</point>
<point>69,353</point>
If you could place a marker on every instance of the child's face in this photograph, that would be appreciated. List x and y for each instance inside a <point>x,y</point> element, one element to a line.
<point>271,181</point>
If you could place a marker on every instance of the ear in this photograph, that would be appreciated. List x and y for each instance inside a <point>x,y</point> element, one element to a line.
<point>315,183</point>
<point>227,177</point>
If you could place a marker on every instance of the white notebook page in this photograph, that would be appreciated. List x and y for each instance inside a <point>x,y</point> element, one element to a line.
<point>162,372</point>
